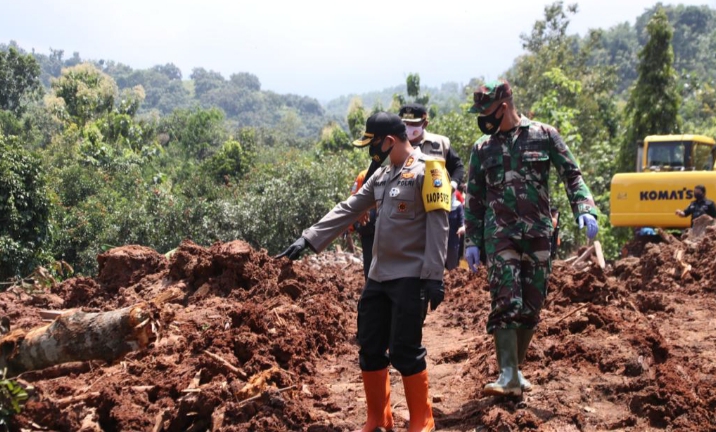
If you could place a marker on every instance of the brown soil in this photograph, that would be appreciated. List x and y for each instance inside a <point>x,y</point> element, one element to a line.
<point>627,349</point>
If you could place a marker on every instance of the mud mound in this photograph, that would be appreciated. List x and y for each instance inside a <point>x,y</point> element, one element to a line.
<point>127,265</point>
<point>251,343</point>
<point>241,336</point>
<point>621,349</point>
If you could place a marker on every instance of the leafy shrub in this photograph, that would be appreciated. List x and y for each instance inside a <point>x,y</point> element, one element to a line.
<point>24,209</point>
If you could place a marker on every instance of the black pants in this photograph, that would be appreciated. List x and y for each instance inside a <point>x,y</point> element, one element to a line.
<point>390,326</point>
<point>366,242</point>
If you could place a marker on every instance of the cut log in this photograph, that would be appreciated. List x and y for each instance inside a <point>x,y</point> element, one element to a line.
<point>668,238</point>
<point>78,336</point>
<point>599,254</point>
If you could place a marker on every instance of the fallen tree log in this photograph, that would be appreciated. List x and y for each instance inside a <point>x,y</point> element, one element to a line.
<point>78,336</point>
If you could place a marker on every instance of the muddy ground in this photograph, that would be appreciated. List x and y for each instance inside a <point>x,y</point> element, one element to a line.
<point>629,348</point>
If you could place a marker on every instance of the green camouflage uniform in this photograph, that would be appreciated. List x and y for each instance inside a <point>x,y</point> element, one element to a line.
<point>507,215</point>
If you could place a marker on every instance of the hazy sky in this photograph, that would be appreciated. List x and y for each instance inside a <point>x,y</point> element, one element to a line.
<point>322,49</point>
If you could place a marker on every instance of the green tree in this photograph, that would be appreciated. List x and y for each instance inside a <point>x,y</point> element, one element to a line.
<point>205,81</point>
<point>334,139</point>
<point>24,210</point>
<point>356,118</point>
<point>83,93</point>
<point>230,162</point>
<point>412,87</point>
<point>412,83</point>
<point>198,132</point>
<point>245,80</point>
<point>653,105</point>
<point>19,79</point>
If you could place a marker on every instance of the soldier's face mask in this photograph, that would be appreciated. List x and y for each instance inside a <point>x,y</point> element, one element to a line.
<point>376,150</point>
<point>489,124</point>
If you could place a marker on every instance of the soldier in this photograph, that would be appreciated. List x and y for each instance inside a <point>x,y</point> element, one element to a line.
<point>508,220</point>
<point>412,195</point>
<point>415,117</point>
<point>699,206</point>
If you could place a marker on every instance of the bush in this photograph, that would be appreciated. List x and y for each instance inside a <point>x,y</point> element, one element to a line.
<point>24,210</point>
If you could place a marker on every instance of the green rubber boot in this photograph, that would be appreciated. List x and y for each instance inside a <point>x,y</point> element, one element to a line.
<point>508,384</point>
<point>524,337</point>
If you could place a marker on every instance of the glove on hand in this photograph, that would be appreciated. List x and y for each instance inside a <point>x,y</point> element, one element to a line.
<point>591,223</point>
<point>435,291</point>
<point>472,254</point>
<point>294,251</point>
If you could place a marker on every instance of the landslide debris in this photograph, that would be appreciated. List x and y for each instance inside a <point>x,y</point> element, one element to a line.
<point>251,343</point>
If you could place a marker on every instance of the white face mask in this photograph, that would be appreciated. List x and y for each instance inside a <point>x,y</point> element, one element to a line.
<point>413,131</point>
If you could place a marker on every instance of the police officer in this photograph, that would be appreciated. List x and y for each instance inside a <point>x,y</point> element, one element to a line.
<point>412,196</point>
<point>415,117</point>
<point>699,206</point>
<point>508,220</point>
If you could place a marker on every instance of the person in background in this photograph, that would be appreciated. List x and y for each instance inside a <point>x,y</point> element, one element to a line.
<point>415,117</point>
<point>365,226</point>
<point>457,230</point>
<point>699,206</point>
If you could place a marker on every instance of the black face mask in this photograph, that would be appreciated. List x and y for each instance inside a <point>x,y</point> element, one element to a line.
<point>698,196</point>
<point>490,124</point>
<point>376,154</point>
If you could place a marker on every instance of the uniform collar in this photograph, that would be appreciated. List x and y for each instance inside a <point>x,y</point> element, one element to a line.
<point>409,163</point>
<point>524,121</point>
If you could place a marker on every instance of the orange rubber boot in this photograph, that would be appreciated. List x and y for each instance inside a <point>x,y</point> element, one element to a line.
<point>421,411</point>
<point>377,396</point>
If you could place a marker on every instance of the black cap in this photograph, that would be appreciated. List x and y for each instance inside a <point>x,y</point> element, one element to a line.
<point>380,124</point>
<point>413,113</point>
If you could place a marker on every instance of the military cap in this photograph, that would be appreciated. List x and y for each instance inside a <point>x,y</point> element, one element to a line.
<point>413,113</point>
<point>488,93</point>
<point>380,124</point>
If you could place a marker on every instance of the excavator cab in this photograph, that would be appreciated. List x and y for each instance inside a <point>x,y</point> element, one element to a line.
<point>676,153</point>
<point>667,169</point>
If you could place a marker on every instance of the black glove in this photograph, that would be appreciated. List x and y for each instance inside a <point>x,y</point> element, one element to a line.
<point>294,251</point>
<point>435,291</point>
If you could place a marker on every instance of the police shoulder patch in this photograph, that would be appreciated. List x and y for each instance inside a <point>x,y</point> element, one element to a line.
<point>436,186</point>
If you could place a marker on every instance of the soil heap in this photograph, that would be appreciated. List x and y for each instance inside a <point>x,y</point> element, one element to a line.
<point>250,343</point>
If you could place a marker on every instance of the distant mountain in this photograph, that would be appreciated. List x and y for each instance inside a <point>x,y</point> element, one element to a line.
<point>240,96</point>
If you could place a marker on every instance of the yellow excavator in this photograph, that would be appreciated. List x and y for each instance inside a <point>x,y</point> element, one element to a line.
<point>667,169</point>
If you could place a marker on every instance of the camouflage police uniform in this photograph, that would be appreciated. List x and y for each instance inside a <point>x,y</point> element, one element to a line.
<point>507,215</point>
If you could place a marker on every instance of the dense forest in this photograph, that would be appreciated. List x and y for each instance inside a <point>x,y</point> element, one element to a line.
<point>97,154</point>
